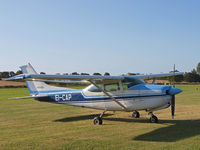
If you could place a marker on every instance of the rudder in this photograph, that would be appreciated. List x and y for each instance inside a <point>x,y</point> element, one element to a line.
<point>36,87</point>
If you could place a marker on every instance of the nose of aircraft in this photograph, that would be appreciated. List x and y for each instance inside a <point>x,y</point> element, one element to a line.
<point>174,91</point>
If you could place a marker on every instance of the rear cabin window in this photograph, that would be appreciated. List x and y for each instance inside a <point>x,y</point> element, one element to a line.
<point>111,87</point>
<point>94,88</point>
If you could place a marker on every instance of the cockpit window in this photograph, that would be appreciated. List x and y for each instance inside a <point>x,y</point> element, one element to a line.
<point>130,81</point>
<point>111,87</point>
<point>94,88</point>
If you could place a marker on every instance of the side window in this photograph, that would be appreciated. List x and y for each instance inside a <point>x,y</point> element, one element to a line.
<point>94,88</point>
<point>111,87</point>
<point>125,86</point>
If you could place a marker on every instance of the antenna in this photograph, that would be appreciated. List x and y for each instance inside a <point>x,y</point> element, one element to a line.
<point>174,75</point>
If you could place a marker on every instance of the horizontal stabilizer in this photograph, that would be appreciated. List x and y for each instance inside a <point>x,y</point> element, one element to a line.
<point>17,77</point>
<point>28,97</point>
<point>62,81</point>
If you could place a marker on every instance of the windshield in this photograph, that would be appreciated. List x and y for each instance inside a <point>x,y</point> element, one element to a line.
<point>131,81</point>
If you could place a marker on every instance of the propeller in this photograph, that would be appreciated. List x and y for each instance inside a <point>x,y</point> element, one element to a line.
<point>173,96</point>
<point>173,106</point>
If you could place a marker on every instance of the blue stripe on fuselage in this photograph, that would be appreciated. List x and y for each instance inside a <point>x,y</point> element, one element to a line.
<point>64,97</point>
<point>56,91</point>
<point>77,95</point>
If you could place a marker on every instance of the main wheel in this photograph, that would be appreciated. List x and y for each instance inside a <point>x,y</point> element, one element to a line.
<point>153,119</point>
<point>136,114</point>
<point>97,121</point>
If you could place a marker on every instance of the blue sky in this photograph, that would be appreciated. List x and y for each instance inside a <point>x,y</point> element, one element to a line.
<point>116,36</point>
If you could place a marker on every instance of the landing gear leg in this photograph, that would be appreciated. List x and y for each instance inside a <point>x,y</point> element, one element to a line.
<point>98,120</point>
<point>153,118</point>
<point>135,114</point>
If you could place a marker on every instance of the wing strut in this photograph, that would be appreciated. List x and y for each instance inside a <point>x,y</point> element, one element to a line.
<point>106,93</point>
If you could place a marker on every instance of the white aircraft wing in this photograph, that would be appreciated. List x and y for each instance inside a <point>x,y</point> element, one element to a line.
<point>81,78</point>
<point>54,78</point>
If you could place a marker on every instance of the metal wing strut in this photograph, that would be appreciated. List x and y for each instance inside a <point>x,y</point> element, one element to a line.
<point>106,93</point>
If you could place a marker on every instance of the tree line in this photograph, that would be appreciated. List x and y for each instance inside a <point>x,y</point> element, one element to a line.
<point>193,76</point>
<point>7,74</point>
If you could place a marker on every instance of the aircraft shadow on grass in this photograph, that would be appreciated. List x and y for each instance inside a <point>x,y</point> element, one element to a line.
<point>177,130</point>
<point>174,131</point>
<point>77,118</point>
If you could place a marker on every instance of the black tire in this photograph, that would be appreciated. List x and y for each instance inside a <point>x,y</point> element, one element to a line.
<point>153,119</point>
<point>135,114</point>
<point>97,121</point>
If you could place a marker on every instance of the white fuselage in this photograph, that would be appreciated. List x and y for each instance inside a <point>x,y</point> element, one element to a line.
<point>148,103</point>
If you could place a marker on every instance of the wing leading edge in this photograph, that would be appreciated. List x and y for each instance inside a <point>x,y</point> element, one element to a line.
<point>77,78</point>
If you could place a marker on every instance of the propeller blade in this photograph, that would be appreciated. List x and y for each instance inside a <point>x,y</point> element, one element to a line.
<point>173,106</point>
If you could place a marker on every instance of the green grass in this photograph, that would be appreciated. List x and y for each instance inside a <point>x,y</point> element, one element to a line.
<point>29,124</point>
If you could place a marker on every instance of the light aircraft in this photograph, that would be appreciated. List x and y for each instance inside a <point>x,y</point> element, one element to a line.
<point>107,93</point>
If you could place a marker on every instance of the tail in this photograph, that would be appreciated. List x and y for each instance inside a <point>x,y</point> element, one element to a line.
<point>38,87</point>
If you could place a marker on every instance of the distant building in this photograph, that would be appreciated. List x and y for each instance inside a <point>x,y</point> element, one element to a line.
<point>162,82</point>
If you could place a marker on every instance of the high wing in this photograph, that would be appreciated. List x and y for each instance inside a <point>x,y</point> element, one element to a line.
<point>81,78</point>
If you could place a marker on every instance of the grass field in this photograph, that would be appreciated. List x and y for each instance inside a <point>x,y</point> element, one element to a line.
<point>29,124</point>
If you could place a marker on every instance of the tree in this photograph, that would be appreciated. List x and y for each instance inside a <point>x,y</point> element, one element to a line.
<point>192,76</point>
<point>198,68</point>
<point>96,74</point>
<point>179,78</point>
<point>106,74</point>
<point>75,73</point>
<point>5,74</point>
<point>12,74</point>
<point>85,74</point>
<point>18,72</point>
<point>133,74</point>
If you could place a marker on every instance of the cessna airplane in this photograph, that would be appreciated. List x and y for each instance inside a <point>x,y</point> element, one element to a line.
<point>107,93</point>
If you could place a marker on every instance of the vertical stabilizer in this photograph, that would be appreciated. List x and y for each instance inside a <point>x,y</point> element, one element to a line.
<point>38,87</point>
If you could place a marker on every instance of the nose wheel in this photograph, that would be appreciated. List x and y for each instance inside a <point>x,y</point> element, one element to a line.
<point>135,114</point>
<point>153,118</point>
